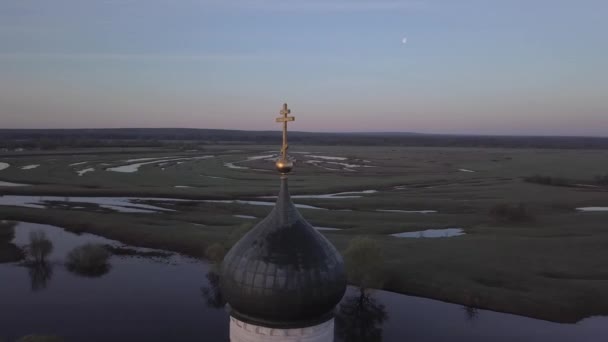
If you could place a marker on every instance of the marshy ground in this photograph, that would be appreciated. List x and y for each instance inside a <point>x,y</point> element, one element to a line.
<point>526,248</point>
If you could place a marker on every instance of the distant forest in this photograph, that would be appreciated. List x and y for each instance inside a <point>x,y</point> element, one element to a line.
<point>157,137</point>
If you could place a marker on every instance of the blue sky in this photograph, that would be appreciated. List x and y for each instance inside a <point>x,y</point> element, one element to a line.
<point>469,66</point>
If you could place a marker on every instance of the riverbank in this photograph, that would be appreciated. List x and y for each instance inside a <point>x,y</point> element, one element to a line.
<point>473,270</point>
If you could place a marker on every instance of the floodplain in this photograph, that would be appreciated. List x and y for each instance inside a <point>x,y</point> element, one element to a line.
<point>527,242</point>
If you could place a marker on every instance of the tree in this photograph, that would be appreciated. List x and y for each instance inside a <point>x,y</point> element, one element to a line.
<point>215,253</point>
<point>40,247</point>
<point>364,261</point>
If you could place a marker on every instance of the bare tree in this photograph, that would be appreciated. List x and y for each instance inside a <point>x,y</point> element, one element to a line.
<point>40,247</point>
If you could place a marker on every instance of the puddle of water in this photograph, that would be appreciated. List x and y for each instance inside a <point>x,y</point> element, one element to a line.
<point>330,160</point>
<point>82,172</point>
<point>120,204</point>
<point>344,164</point>
<point>592,209</point>
<point>2,183</point>
<point>183,186</point>
<point>431,233</point>
<point>147,159</point>
<point>338,195</point>
<point>262,203</point>
<point>215,177</point>
<point>325,157</point>
<point>268,156</point>
<point>4,166</point>
<point>408,211</point>
<point>466,170</point>
<point>317,163</point>
<point>29,167</point>
<point>131,168</point>
<point>327,228</point>
<point>79,163</point>
<point>249,217</point>
<point>587,185</point>
<point>233,165</point>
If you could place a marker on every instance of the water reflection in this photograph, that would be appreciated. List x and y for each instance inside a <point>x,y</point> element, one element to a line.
<point>39,269</point>
<point>470,312</point>
<point>211,291</point>
<point>40,274</point>
<point>360,318</point>
<point>165,299</point>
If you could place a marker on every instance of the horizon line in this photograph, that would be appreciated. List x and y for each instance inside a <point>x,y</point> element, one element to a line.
<point>318,132</point>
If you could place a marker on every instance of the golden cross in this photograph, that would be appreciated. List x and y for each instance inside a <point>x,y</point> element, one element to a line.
<point>285,119</point>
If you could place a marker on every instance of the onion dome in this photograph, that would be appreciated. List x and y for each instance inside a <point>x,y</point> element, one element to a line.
<point>283,273</point>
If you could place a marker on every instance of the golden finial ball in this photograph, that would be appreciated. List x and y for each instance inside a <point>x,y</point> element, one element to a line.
<point>284,166</point>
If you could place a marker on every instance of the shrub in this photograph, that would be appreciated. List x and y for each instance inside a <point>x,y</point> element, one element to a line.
<point>7,231</point>
<point>215,253</point>
<point>602,180</point>
<point>8,251</point>
<point>89,260</point>
<point>547,180</point>
<point>364,259</point>
<point>511,213</point>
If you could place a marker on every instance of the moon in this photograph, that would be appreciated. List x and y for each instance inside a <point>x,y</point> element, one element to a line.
<point>404,40</point>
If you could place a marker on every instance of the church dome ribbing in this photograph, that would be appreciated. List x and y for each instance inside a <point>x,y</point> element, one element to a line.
<point>283,273</point>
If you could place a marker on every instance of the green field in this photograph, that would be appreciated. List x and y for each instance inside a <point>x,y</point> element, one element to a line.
<point>527,250</point>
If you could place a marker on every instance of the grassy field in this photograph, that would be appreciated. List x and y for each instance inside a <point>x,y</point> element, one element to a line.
<point>539,257</point>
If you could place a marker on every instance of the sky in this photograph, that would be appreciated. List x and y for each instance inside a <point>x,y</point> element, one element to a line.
<point>516,67</point>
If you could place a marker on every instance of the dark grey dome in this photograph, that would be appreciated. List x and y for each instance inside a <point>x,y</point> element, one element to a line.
<point>283,273</point>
